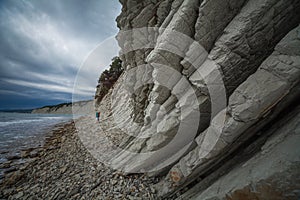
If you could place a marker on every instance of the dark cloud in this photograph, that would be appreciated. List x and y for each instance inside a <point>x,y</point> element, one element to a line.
<point>43,43</point>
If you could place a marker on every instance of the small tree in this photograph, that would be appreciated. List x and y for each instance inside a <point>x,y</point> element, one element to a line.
<point>108,78</point>
<point>116,66</point>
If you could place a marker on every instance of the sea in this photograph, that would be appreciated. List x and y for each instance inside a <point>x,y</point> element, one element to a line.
<point>24,130</point>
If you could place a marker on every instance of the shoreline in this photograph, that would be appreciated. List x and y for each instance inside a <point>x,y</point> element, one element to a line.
<point>23,156</point>
<point>63,169</point>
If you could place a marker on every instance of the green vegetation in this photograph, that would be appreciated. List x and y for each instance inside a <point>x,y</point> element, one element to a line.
<point>108,78</point>
<point>58,105</point>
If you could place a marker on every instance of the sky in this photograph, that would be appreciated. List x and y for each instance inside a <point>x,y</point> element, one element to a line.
<point>45,45</point>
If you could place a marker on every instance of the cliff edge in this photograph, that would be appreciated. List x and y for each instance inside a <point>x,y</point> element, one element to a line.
<point>208,98</point>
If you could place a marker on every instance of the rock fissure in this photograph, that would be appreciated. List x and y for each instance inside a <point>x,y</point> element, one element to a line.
<point>246,56</point>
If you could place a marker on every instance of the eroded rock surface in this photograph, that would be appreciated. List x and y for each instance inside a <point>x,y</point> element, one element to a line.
<point>202,80</point>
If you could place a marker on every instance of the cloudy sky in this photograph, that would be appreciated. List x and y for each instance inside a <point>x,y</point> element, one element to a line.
<point>43,44</point>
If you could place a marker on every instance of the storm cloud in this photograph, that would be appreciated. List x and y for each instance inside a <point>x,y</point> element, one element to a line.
<point>43,44</point>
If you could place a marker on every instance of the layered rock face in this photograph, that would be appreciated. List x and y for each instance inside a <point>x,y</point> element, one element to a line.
<point>204,84</point>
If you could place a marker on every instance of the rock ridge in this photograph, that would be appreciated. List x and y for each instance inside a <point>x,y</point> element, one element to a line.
<point>201,79</point>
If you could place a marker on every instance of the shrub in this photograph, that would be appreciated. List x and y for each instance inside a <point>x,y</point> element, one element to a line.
<point>108,78</point>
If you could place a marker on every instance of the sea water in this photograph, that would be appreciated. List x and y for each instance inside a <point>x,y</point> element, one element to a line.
<point>23,130</point>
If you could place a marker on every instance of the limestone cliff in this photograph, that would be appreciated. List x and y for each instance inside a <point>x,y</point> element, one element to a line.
<point>209,86</point>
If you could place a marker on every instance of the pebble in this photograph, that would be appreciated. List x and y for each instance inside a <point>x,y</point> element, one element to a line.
<point>13,157</point>
<point>18,195</point>
<point>63,169</point>
<point>5,165</point>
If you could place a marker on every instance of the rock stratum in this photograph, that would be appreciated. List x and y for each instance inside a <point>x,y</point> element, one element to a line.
<point>209,98</point>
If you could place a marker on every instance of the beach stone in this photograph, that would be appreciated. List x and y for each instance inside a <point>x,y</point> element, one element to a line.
<point>34,153</point>
<point>56,173</point>
<point>8,191</point>
<point>6,164</point>
<point>14,177</point>
<point>10,169</point>
<point>13,157</point>
<point>25,153</point>
<point>19,195</point>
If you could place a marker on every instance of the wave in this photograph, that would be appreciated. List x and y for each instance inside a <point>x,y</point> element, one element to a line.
<point>20,122</point>
<point>54,118</point>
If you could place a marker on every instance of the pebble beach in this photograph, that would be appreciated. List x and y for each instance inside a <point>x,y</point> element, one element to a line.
<point>63,169</point>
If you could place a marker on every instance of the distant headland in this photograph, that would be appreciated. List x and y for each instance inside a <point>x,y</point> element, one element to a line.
<point>64,108</point>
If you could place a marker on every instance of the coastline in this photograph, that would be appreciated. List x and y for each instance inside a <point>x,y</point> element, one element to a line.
<point>17,158</point>
<point>63,169</point>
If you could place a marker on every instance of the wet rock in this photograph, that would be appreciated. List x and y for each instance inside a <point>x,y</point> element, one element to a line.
<point>18,195</point>
<point>13,157</point>
<point>6,164</point>
<point>10,169</point>
<point>63,170</point>
<point>25,153</point>
<point>13,177</point>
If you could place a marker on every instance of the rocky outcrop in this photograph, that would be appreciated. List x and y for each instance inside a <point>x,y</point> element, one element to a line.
<point>270,174</point>
<point>254,103</point>
<point>202,80</point>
